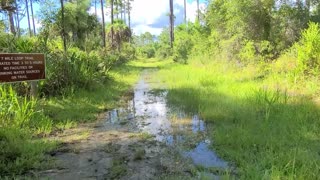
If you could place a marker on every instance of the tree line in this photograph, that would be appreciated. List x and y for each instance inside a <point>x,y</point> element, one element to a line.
<point>240,30</point>
<point>120,12</point>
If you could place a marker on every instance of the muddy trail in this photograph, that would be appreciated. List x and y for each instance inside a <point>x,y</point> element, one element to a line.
<point>145,139</point>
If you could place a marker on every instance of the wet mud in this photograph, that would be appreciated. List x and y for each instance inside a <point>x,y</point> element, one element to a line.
<point>146,139</point>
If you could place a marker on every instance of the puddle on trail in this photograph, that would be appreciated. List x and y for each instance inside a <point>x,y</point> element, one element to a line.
<point>175,128</point>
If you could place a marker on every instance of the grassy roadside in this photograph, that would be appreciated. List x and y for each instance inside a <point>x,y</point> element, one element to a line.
<point>83,106</point>
<point>23,149</point>
<point>264,124</point>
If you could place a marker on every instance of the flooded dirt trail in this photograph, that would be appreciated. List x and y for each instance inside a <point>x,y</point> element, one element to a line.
<point>143,140</point>
<point>187,133</point>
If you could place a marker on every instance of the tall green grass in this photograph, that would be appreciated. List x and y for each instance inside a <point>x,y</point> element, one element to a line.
<point>79,84</point>
<point>21,112</point>
<point>23,121</point>
<point>258,120</point>
<point>19,152</point>
<point>20,120</point>
<point>84,105</point>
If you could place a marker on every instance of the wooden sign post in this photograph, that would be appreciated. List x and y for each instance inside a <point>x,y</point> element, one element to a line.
<point>22,67</point>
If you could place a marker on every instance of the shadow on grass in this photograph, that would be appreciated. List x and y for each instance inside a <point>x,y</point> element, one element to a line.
<point>266,134</point>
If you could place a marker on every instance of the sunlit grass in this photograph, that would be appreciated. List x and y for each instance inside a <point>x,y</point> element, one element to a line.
<point>261,122</point>
<point>151,63</point>
<point>84,105</point>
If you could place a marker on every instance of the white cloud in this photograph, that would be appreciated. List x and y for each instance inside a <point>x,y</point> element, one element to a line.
<point>191,9</point>
<point>139,29</point>
<point>37,24</point>
<point>146,13</point>
<point>151,15</point>
<point>92,10</point>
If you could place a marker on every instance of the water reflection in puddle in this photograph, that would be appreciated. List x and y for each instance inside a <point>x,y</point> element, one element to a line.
<point>174,127</point>
<point>202,155</point>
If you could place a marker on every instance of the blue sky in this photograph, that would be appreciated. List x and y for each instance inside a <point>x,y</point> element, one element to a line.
<point>148,15</point>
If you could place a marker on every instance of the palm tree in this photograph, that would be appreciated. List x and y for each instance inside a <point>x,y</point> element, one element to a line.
<point>121,33</point>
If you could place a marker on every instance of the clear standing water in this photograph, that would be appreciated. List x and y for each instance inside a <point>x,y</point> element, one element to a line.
<point>175,128</point>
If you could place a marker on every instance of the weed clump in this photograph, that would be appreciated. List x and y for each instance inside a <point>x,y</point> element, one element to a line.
<point>139,154</point>
<point>18,159</point>
<point>118,168</point>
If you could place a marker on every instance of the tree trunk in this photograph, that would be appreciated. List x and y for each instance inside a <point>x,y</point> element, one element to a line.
<point>103,25</point>
<point>63,27</point>
<point>17,19</point>
<point>34,26</point>
<point>124,11</point>
<point>129,14</point>
<point>28,17</point>
<point>121,10</point>
<point>117,8</point>
<point>33,84</point>
<point>11,21</point>
<point>198,11</point>
<point>95,7</point>
<point>299,4</point>
<point>112,14</point>
<point>185,11</point>
<point>308,4</point>
<point>171,24</point>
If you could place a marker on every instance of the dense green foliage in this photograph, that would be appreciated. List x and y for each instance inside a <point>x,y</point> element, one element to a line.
<point>146,47</point>
<point>253,75</point>
<point>244,31</point>
<point>249,68</point>
<point>308,52</point>
<point>20,118</point>
<point>83,69</point>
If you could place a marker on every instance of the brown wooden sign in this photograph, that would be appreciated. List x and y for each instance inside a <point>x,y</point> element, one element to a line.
<point>21,67</point>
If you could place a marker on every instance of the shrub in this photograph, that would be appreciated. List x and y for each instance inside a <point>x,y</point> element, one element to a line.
<point>182,47</point>
<point>147,51</point>
<point>164,51</point>
<point>128,51</point>
<point>77,69</point>
<point>308,49</point>
<point>231,47</point>
<point>248,53</point>
<point>266,50</point>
